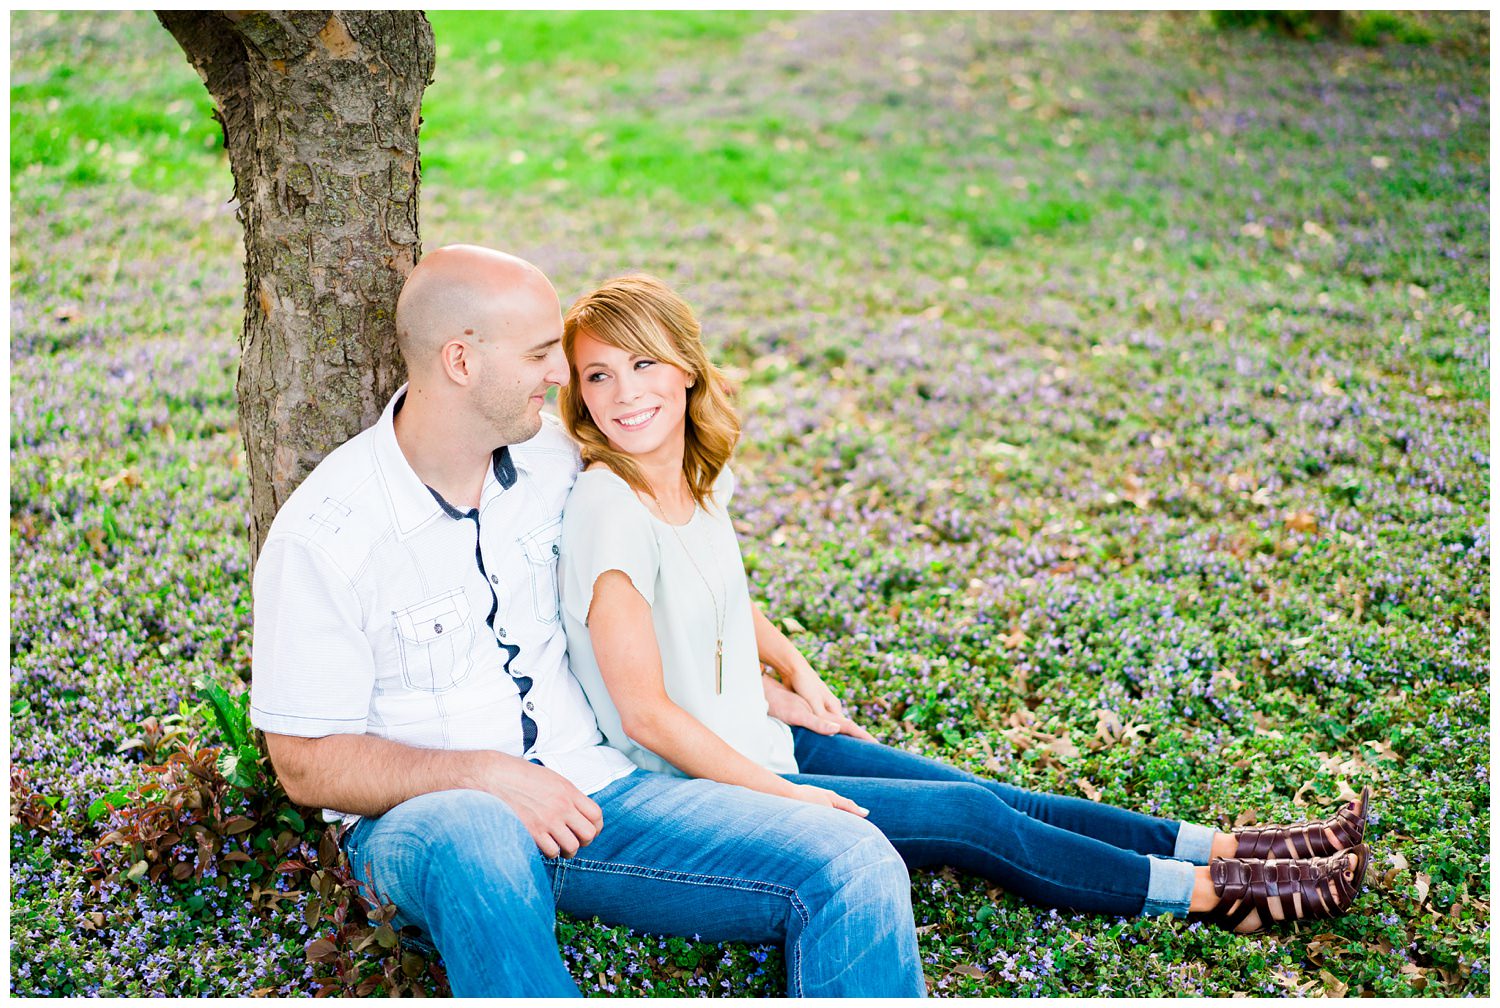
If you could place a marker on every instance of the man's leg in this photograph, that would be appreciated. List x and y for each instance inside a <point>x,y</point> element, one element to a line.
<point>460,866</point>
<point>695,857</point>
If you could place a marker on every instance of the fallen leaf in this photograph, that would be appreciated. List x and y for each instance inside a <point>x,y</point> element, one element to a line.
<point>1380,162</point>
<point>1062,747</point>
<point>1424,886</point>
<point>1332,986</point>
<point>792,626</point>
<point>1088,789</point>
<point>1014,639</point>
<point>1302,521</point>
<point>1246,818</point>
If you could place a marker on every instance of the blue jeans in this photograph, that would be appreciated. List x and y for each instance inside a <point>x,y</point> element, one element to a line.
<point>675,856</point>
<point>1050,849</point>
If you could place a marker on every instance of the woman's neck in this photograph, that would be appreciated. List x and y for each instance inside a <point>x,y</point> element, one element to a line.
<point>669,487</point>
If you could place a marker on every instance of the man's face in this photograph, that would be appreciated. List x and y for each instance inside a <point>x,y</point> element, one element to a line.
<point>520,359</point>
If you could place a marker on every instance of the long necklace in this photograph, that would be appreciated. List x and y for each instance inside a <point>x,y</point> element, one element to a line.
<point>719,613</point>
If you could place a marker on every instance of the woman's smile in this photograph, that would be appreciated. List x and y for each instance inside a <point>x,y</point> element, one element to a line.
<point>635,421</point>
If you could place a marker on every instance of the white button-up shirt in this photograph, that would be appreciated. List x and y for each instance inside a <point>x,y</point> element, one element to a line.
<point>380,608</point>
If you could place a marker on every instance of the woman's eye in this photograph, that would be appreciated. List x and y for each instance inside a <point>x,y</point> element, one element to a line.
<point>643,364</point>
<point>595,376</point>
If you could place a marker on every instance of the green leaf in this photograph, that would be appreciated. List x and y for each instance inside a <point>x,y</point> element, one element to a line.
<point>100,807</point>
<point>231,715</point>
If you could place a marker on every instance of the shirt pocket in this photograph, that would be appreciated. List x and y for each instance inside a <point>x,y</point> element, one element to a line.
<point>540,547</point>
<point>435,639</point>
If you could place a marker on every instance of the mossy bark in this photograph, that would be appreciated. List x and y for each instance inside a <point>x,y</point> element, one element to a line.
<point>321,111</point>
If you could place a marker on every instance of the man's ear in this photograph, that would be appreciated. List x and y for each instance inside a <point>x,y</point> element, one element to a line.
<point>455,360</point>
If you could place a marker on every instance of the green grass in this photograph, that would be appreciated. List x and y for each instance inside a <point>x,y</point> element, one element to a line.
<point>1164,347</point>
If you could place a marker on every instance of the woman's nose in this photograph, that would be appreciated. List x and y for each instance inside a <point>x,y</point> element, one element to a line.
<point>625,388</point>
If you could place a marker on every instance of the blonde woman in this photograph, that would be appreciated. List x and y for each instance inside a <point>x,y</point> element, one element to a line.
<point>669,646</point>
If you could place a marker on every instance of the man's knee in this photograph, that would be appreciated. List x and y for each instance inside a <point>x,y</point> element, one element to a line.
<point>472,829</point>
<point>851,854</point>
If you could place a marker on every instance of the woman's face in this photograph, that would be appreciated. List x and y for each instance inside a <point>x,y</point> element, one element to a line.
<point>640,403</point>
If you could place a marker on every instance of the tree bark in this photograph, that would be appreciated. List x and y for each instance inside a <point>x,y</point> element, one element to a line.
<point>320,111</point>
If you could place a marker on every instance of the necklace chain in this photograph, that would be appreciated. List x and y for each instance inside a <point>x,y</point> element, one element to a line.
<point>719,613</point>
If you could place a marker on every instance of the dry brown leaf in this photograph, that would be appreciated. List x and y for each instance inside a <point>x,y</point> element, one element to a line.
<point>1089,791</point>
<point>1332,986</point>
<point>1424,886</point>
<point>1014,639</point>
<point>1062,747</point>
<point>1246,818</point>
<point>1302,521</point>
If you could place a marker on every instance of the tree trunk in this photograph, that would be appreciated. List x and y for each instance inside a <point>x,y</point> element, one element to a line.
<point>320,111</point>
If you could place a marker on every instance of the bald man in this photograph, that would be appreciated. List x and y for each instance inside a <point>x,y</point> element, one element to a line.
<point>411,676</point>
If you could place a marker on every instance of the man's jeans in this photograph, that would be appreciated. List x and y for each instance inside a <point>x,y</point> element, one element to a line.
<point>675,856</point>
<point>1050,849</point>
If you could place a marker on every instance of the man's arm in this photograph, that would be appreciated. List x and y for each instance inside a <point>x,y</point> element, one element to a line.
<point>368,775</point>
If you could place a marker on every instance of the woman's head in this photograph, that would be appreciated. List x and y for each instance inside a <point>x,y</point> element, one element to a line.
<point>648,348</point>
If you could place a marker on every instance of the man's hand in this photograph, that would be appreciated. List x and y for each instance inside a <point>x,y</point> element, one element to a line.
<point>369,776</point>
<point>559,817</point>
<point>793,708</point>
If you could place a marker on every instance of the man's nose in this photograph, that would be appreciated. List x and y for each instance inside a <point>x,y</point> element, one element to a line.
<point>557,367</point>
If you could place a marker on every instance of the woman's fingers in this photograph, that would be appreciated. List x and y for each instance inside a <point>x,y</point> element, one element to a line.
<point>840,802</point>
<point>848,727</point>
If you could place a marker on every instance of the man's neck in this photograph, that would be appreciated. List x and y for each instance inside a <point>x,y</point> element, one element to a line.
<point>434,447</point>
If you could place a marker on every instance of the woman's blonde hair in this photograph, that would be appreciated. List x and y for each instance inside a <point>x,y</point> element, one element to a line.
<point>641,315</point>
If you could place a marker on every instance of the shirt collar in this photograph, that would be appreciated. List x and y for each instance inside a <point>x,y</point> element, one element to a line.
<point>412,503</point>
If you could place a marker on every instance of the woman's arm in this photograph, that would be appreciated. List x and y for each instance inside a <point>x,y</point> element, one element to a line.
<point>827,715</point>
<point>629,658</point>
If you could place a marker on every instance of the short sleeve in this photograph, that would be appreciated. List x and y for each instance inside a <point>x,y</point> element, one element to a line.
<point>605,527</point>
<point>724,488</point>
<point>312,668</point>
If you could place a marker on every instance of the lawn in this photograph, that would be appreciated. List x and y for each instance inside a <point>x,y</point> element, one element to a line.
<point>1115,393</point>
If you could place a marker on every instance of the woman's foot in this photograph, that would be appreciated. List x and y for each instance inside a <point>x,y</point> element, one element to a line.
<point>1344,830</point>
<point>1254,894</point>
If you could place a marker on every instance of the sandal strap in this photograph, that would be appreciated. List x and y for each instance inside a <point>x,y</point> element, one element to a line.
<point>1306,889</point>
<point>1306,840</point>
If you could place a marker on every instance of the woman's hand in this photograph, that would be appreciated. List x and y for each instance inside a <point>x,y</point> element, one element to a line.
<point>822,796</point>
<point>793,709</point>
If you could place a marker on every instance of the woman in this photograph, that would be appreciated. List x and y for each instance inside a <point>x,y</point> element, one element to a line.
<point>667,643</point>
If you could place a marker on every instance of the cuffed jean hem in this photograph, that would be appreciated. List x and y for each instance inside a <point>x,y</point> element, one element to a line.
<point>1170,889</point>
<point>1194,844</point>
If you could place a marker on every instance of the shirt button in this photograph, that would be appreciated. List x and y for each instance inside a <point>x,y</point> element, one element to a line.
<point>494,579</point>
<point>501,631</point>
<point>554,549</point>
<point>437,628</point>
<point>530,706</point>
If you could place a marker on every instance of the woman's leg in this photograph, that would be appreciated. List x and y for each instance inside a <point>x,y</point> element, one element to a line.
<point>844,756</point>
<point>966,825</point>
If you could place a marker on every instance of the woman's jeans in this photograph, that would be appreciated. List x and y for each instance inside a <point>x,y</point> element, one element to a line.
<point>675,856</point>
<point>1049,849</point>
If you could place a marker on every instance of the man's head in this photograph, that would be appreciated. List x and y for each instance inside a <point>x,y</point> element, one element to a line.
<point>481,333</point>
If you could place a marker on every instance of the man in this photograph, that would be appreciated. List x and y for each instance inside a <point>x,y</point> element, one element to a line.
<point>410,673</point>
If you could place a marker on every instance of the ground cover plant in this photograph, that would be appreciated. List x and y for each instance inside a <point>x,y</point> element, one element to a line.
<point>1115,394</point>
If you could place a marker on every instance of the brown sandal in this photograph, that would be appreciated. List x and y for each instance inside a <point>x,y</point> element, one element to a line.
<point>1306,840</point>
<point>1245,885</point>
